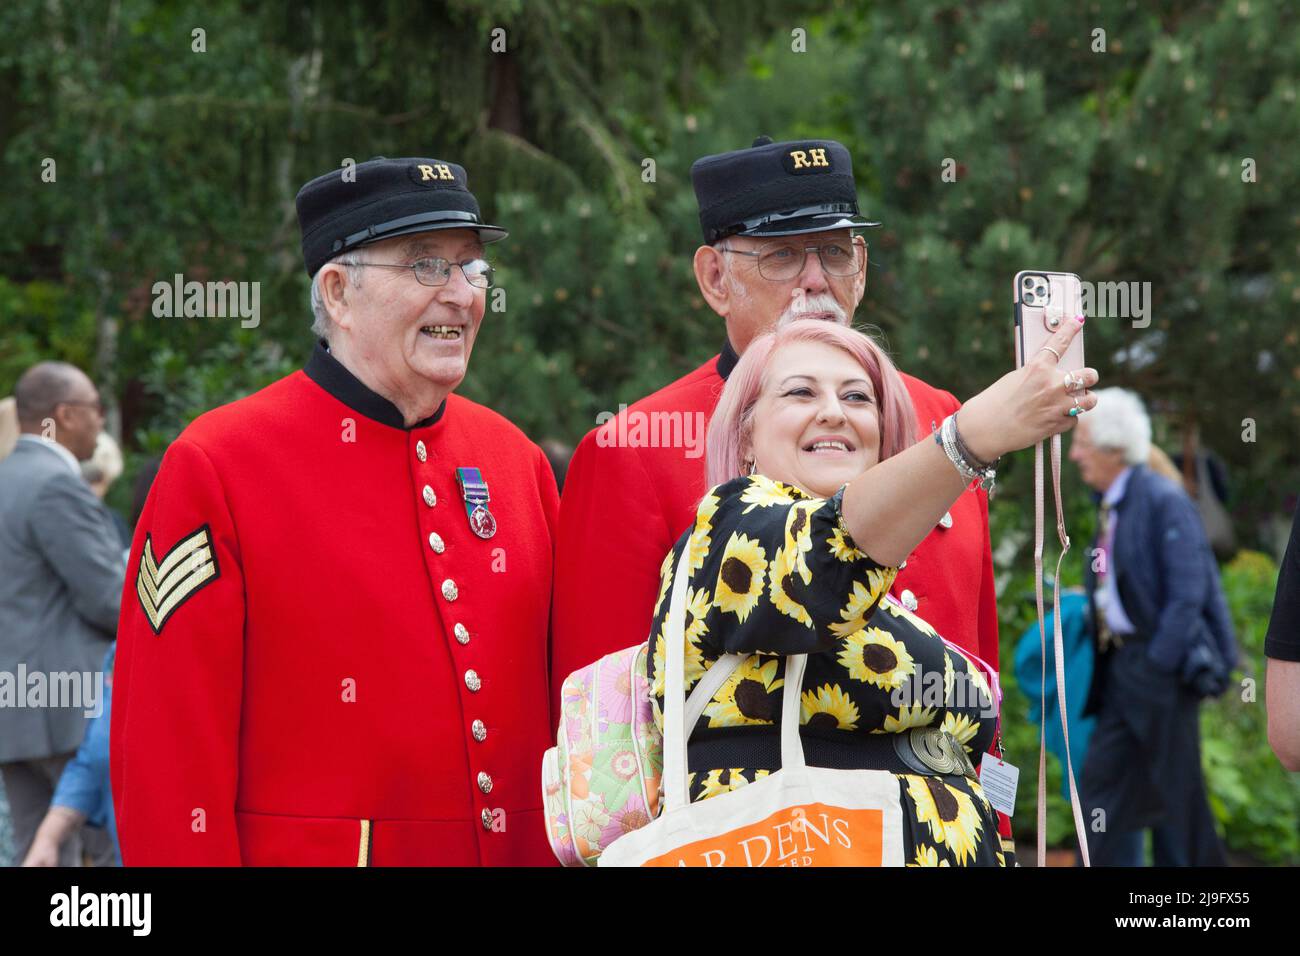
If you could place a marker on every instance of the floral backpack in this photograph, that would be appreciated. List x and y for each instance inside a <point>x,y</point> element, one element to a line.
<point>602,777</point>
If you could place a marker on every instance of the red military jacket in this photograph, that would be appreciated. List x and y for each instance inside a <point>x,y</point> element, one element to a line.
<point>319,662</point>
<point>628,496</point>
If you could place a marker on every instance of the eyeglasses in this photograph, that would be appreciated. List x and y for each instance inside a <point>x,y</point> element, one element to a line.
<point>97,405</point>
<point>478,272</point>
<point>782,260</point>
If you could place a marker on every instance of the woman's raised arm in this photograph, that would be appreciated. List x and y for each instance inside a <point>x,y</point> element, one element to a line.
<point>891,507</point>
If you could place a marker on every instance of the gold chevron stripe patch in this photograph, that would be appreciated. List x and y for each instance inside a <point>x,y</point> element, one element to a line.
<point>164,586</point>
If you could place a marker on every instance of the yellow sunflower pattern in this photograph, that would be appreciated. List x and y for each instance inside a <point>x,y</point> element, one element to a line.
<point>694,660</point>
<point>749,696</point>
<point>927,856</point>
<point>698,606</point>
<point>760,492</point>
<point>908,717</point>
<point>875,656</point>
<point>862,600</point>
<point>976,682</point>
<point>740,576</point>
<point>829,707</point>
<point>697,611</point>
<point>961,727</point>
<point>772,573</point>
<point>896,609</point>
<point>798,536</point>
<point>841,547</point>
<point>723,781</point>
<point>949,814</point>
<point>665,582</point>
<point>699,542</point>
<point>782,573</point>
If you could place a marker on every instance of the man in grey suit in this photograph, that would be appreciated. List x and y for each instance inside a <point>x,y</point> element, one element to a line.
<point>61,575</point>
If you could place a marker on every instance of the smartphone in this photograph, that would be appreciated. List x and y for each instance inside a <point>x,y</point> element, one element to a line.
<point>1043,301</point>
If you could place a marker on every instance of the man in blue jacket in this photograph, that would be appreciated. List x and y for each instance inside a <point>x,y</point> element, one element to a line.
<point>1164,641</point>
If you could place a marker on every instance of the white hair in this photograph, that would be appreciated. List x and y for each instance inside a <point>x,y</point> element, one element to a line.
<point>739,289</point>
<point>321,325</point>
<point>105,464</point>
<point>1120,422</point>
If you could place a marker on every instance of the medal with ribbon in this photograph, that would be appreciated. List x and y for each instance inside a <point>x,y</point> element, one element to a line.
<point>475,492</point>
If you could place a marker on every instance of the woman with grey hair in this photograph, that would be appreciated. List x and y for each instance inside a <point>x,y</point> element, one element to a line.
<point>8,425</point>
<point>104,466</point>
<point>1164,640</point>
<point>100,470</point>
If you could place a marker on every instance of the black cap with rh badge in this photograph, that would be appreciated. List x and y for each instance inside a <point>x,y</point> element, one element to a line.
<point>777,189</point>
<point>382,198</point>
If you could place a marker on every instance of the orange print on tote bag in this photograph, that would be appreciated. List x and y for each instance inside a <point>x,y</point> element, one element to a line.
<point>813,835</point>
<point>796,816</point>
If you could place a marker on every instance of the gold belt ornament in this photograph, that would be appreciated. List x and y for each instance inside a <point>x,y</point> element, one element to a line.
<point>935,749</point>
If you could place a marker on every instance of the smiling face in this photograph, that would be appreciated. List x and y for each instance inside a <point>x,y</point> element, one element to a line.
<point>816,423</point>
<point>752,303</point>
<point>406,338</point>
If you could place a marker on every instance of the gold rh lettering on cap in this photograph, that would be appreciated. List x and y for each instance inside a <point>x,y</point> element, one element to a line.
<point>440,171</point>
<point>810,158</point>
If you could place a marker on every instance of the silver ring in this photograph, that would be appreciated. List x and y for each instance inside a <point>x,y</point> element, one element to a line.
<point>1048,348</point>
<point>1071,383</point>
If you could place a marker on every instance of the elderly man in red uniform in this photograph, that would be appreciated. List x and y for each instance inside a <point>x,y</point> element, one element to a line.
<point>778,221</point>
<point>332,648</point>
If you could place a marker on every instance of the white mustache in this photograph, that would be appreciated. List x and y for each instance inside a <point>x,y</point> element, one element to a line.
<point>822,302</point>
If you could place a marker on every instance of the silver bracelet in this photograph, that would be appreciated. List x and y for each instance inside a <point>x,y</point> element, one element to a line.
<point>954,448</point>
<point>977,463</point>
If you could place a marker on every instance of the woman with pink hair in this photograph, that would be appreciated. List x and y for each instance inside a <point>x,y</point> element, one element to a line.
<point>819,492</point>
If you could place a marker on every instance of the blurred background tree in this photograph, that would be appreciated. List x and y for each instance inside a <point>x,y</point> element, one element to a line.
<point>1122,141</point>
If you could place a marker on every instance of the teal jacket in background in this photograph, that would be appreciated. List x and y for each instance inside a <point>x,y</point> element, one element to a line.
<point>1077,642</point>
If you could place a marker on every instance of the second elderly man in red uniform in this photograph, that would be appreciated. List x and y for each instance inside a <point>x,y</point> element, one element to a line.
<point>332,648</point>
<point>626,502</point>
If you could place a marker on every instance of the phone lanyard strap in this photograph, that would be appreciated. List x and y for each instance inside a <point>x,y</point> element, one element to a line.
<point>1059,648</point>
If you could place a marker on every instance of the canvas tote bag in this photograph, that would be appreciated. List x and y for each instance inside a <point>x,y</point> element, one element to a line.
<point>797,816</point>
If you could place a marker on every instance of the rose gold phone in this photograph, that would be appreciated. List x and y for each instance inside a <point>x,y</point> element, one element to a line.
<point>1043,301</point>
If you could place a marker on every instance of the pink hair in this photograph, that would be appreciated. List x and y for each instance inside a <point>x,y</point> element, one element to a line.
<point>732,421</point>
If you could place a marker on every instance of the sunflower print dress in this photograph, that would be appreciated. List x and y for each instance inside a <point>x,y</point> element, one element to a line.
<point>773,573</point>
